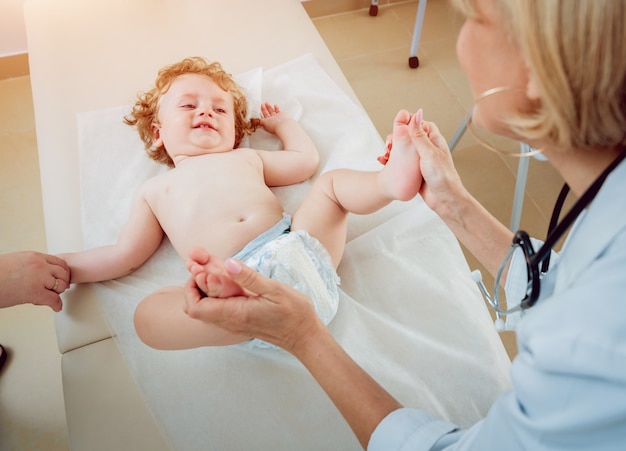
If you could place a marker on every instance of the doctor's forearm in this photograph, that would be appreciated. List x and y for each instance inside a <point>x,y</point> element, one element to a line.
<point>358,397</point>
<point>478,230</point>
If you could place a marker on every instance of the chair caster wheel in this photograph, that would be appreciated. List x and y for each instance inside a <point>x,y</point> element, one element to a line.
<point>414,62</point>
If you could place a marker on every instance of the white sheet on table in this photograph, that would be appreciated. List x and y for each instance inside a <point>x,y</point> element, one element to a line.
<point>409,312</point>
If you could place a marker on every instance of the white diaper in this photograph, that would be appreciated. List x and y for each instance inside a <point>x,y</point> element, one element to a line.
<point>298,260</point>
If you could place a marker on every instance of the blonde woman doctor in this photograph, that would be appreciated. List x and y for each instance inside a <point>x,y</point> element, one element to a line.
<point>551,73</point>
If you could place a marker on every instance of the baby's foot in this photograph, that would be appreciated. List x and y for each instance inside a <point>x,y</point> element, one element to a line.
<point>211,276</point>
<point>402,169</point>
<point>219,286</point>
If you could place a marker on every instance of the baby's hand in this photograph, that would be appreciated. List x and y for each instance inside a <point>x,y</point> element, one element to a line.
<point>272,117</point>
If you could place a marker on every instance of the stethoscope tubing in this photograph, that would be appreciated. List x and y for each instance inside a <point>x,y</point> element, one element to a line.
<point>556,230</point>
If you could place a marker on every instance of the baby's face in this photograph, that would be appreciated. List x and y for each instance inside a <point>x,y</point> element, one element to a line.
<point>196,117</point>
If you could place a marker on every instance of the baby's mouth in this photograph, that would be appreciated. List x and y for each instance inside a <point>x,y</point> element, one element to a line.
<point>205,125</point>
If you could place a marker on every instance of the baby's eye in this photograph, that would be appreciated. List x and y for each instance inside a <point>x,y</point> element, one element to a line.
<point>220,110</point>
<point>188,106</point>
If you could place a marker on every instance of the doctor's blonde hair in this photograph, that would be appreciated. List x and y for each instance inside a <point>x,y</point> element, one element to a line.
<point>145,111</point>
<point>575,51</point>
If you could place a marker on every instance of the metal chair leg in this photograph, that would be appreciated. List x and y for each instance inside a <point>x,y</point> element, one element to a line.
<point>458,134</point>
<point>417,31</point>
<point>374,8</point>
<point>520,182</point>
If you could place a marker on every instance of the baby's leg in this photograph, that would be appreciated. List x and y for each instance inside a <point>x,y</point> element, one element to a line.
<point>336,193</point>
<point>161,323</point>
<point>402,175</point>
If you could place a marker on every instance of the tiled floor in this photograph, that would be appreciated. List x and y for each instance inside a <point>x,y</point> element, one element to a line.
<point>373,52</point>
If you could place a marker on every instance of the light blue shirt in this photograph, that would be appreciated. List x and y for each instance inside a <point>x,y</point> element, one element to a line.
<point>569,377</point>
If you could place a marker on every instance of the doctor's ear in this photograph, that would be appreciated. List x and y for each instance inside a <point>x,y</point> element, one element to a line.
<point>532,87</point>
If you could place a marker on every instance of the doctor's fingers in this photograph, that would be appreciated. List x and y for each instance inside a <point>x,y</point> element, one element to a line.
<point>435,135</point>
<point>435,156</point>
<point>193,298</point>
<point>426,136</point>
<point>277,306</point>
<point>280,306</point>
<point>441,179</point>
<point>55,285</point>
<point>58,269</point>
<point>50,298</point>
<point>251,280</point>
<point>277,316</point>
<point>199,255</point>
<point>234,314</point>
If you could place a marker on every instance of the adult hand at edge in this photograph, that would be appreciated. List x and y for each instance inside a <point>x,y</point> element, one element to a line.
<point>33,277</point>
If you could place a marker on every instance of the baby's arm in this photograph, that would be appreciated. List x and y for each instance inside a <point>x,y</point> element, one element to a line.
<point>138,240</point>
<point>298,161</point>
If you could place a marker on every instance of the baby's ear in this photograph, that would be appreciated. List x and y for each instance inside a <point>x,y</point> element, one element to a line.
<point>156,135</point>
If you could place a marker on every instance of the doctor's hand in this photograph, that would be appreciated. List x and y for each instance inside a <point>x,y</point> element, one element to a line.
<point>32,277</point>
<point>278,314</point>
<point>254,306</point>
<point>442,187</point>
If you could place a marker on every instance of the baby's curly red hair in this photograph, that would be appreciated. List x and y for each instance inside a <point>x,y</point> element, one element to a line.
<point>144,112</point>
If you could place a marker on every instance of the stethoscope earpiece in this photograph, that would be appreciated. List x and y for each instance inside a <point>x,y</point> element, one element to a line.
<point>477,277</point>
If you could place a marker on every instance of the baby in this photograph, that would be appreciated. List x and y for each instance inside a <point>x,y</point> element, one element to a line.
<point>217,196</point>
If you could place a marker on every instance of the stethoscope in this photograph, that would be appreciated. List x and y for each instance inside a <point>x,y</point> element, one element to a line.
<point>537,263</point>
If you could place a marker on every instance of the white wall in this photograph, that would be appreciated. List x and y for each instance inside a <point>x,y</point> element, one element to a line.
<point>12,28</point>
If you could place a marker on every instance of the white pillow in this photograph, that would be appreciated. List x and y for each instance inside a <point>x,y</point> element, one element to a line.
<point>251,82</point>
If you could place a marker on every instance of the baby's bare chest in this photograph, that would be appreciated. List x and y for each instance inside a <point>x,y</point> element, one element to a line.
<point>216,209</point>
<point>191,192</point>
